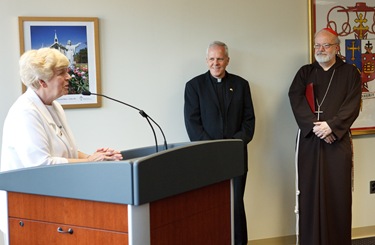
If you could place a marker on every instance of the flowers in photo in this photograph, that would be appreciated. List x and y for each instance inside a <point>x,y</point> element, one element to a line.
<point>80,79</point>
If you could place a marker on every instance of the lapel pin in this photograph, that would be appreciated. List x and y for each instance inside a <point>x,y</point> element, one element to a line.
<point>231,89</point>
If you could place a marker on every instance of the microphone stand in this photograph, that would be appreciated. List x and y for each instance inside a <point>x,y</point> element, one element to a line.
<point>142,113</point>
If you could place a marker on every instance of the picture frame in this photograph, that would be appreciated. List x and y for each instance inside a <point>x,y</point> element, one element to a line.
<point>354,21</point>
<point>78,39</point>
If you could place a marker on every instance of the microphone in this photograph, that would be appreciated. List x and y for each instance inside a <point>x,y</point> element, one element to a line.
<point>143,114</point>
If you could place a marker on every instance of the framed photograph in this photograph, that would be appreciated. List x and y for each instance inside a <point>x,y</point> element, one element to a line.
<point>78,39</point>
<point>355,23</point>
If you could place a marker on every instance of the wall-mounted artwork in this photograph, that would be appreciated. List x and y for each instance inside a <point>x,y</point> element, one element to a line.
<point>78,39</point>
<point>355,24</point>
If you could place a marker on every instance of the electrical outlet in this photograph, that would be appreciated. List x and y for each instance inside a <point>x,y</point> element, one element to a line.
<point>372,187</point>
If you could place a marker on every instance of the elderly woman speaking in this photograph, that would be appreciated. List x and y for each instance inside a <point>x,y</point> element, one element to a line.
<point>36,131</point>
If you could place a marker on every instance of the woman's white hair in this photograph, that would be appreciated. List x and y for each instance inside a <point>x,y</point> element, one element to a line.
<point>40,64</point>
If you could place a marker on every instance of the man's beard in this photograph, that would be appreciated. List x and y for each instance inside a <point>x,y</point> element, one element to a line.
<point>323,58</point>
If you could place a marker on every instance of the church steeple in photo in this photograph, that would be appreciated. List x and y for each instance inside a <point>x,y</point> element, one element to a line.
<point>57,45</point>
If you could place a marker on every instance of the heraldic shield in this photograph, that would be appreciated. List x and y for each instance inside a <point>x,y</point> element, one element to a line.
<point>359,53</point>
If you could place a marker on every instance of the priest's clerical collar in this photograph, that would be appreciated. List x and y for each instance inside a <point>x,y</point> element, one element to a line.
<point>218,80</point>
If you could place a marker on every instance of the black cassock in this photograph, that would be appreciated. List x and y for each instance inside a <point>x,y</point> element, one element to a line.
<point>325,170</point>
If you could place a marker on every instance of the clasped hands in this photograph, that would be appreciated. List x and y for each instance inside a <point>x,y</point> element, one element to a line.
<point>324,132</point>
<point>105,154</point>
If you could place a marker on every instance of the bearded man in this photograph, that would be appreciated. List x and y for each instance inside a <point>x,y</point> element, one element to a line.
<point>325,97</point>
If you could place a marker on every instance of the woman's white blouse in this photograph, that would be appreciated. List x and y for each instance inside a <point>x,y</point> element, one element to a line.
<point>31,137</point>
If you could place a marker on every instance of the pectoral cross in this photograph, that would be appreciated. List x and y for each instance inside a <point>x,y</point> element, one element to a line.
<point>324,97</point>
<point>318,112</point>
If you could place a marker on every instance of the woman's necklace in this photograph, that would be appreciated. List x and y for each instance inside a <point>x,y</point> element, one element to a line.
<point>324,97</point>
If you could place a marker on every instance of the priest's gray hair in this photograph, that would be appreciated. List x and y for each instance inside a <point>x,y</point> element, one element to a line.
<point>336,39</point>
<point>220,44</point>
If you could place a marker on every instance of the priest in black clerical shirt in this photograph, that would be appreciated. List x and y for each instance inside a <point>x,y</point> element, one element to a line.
<point>218,105</point>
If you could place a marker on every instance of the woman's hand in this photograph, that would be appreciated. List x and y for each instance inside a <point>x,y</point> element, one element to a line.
<point>105,154</point>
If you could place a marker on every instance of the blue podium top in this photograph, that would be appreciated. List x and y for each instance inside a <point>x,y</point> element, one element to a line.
<point>142,177</point>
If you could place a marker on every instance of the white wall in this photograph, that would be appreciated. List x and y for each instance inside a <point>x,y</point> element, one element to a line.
<point>149,49</point>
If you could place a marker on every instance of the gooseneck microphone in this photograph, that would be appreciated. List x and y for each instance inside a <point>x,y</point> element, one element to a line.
<point>143,114</point>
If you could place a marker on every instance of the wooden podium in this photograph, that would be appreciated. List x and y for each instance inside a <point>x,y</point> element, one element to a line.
<point>177,196</point>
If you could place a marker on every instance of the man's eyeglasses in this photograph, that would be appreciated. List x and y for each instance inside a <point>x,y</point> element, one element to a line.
<point>324,45</point>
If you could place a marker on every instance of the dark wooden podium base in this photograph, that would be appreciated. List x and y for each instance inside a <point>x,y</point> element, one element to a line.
<point>201,216</point>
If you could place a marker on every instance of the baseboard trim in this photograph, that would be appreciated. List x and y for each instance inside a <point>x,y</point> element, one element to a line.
<point>275,241</point>
<point>359,232</point>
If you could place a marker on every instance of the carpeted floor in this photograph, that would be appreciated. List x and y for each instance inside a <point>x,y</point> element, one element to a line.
<point>364,241</point>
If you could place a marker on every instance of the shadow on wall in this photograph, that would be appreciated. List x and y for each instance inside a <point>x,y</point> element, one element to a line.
<point>2,238</point>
